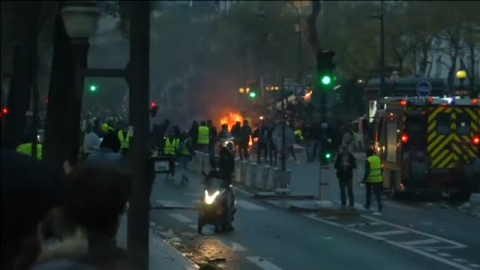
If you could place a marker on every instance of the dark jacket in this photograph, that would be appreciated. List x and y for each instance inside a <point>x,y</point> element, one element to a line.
<point>345,164</point>
<point>245,133</point>
<point>226,165</point>
<point>236,131</point>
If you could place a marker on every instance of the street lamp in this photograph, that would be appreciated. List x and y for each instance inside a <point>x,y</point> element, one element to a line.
<point>461,76</point>
<point>81,22</point>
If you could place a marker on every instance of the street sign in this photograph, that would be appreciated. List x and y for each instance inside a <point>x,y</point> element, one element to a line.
<point>424,88</point>
<point>299,91</point>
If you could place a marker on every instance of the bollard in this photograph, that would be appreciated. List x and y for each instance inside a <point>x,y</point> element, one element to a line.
<point>243,171</point>
<point>283,182</point>
<point>252,175</point>
<point>265,176</point>
<point>275,174</point>
<point>238,165</point>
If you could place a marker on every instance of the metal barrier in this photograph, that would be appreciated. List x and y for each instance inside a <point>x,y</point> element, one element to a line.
<point>243,172</point>
<point>238,166</point>
<point>252,175</point>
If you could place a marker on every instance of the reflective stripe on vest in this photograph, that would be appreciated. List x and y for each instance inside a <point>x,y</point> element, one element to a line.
<point>124,142</point>
<point>171,147</point>
<point>26,149</point>
<point>375,175</point>
<point>203,135</point>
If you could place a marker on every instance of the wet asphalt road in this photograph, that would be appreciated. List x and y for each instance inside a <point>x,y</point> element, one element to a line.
<point>407,236</point>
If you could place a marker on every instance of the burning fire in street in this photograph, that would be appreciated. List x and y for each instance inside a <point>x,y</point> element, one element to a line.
<point>231,119</point>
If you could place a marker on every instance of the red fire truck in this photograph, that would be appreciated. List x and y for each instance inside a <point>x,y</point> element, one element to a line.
<point>429,145</point>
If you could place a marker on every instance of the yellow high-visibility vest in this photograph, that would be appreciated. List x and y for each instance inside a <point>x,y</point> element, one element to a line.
<point>171,146</point>
<point>203,135</point>
<point>124,140</point>
<point>26,149</point>
<point>375,175</point>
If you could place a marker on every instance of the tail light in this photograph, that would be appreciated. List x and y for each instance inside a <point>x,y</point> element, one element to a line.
<point>403,103</point>
<point>404,138</point>
<point>476,140</point>
<point>475,101</point>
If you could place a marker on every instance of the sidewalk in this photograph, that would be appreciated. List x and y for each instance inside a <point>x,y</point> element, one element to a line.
<point>162,255</point>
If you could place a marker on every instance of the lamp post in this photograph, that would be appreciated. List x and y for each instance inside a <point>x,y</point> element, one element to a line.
<point>81,21</point>
<point>381,18</point>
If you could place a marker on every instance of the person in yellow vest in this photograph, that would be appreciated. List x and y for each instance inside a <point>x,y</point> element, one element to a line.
<point>26,149</point>
<point>171,150</point>
<point>185,153</point>
<point>373,179</point>
<point>203,137</point>
<point>124,137</point>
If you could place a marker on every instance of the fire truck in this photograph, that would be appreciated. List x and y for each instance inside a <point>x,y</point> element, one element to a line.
<point>429,144</point>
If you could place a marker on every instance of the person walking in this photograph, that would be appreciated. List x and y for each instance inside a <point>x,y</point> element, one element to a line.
<point>245,135</point>
<point>185,153</point>
<point>203,137</point>
<point>262,143</point>
<point>193,134</point>
<point>236,132</point>
<point>345,164</point>
<point>170,150</point>
<point>373,179</point>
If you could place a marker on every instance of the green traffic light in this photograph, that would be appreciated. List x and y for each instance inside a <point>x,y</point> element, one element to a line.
<point>326,80</point>
<point>253,94</point>
<point>93,88</point>
<point>328,155</point>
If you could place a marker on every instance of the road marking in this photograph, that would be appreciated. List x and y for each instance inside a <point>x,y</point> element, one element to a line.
<point>249,205</point>
<point>263,263</point>
<point>180,217</point>
<point>460,260</point>
<point>169,203</point>
<point>474,265</point>
<point>421,242</point>
<point>455,244</point>
<point>444,254</point>
<point>236,247</point>
<point>206,229</point>
<point>399,245</point>
<point>364,224</point>
<point>430,249</point>
<point>386,233</point>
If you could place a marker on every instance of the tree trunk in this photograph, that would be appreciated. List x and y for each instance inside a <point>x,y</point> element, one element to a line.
<point>20,90</point>
<point>59,95</point>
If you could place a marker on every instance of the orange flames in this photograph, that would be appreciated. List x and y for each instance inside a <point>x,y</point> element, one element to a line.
<point>231,119</point>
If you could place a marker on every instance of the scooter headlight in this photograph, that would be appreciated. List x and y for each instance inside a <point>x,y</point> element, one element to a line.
<point>209,199</point>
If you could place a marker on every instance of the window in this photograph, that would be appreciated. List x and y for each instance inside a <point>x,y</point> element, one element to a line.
<point>443,123</point>
<point>463,124</point>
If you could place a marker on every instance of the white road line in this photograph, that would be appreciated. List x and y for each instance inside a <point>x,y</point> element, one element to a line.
<point>456,244</point>
<point>399,245</point>
<point>430,249</point>
<point>206,229</point>
<point>444,254</point>
<point>169,203</point>
<point>421,242</point>
<point>364,224</point>
<point>180,217</point>
<point>474,265</point>
<point>460,260</point>
<point>236,247</point>
<point>263,263</point>
<point>386,233</point>
<point>249,205</point>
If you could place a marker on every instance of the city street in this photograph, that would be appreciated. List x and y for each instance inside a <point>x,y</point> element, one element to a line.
<point>408,235</point>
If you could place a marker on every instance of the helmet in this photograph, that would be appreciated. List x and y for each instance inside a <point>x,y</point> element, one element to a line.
<point>228,144</point>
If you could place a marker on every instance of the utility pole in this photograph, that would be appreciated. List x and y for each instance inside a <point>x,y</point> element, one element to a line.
<point>382,48</point>
<point>139,77</point>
